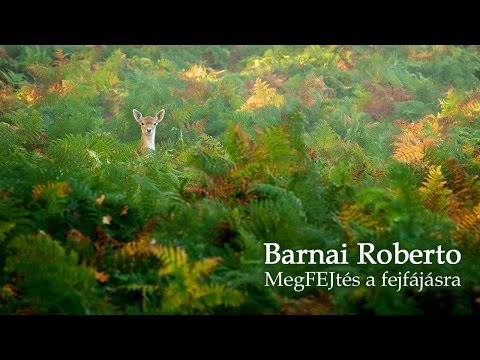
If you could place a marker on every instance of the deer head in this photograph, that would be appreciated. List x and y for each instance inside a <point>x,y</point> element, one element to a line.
<point>148,125</point>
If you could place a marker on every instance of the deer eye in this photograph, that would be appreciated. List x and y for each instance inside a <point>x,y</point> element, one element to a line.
<point>154,124</point>
<point>143,124</point>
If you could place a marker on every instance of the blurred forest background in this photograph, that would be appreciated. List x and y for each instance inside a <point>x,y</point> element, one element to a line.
<point>307,146</point>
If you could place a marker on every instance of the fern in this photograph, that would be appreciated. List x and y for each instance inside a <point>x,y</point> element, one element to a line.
<point>91,150</point>
<point>263,95</point>
<point>198,72</point>
<point>52,280</point>
<point>465,188</point>
<point>468,221</point>
<point>186,290</point>
<point>186,293</point>
<point>53,194</point>
<point>210,156</point>
<point>434,192</point>
<point>353,219</point>
<point>274,192</point>
<point>306,146</point>
<point>409,149</point>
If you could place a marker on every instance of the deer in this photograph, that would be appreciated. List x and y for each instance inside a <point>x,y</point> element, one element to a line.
<point>148,125</point>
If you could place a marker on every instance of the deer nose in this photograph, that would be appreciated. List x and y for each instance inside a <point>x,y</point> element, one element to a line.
<point>149,130</point>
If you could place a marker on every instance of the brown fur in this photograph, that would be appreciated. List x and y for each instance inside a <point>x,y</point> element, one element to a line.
<point>148,125</point>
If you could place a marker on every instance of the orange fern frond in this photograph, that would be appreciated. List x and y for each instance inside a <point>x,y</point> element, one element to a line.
<point>409,149</point>
<point>60,189</point>
<point>464,187</point>
<point>60,57</point>
<point>468,223</point>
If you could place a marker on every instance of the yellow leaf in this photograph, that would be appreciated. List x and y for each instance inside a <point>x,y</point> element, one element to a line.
<point>124,211</point>
<point>101,277</point>
<point>100,199</point>
<point>107,219</point>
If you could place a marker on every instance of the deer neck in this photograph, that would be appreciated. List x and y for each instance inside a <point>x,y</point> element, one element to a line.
<point>148,142</point>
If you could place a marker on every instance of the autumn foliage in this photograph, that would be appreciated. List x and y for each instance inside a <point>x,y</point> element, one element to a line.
<point>307,146</point>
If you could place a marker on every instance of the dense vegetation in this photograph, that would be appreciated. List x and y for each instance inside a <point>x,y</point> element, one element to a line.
<point>307,146</point>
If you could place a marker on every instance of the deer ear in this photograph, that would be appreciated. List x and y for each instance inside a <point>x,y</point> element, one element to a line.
<point>160,115</point>
<point>137,115</point>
